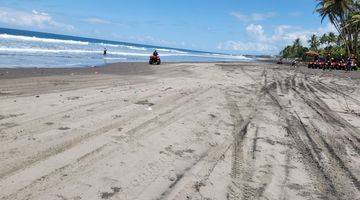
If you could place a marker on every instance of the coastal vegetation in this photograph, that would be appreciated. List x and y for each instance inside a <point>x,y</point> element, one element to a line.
<point>344,15</point>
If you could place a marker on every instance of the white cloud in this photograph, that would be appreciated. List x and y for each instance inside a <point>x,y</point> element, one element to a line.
<point>240,16</point>
<point>247,46</point>
<point>253,16</point>
<point>30,19</point>
<point>329,28</point>
<point>256,31</point>
<point>283,35</point>
<point>94,20</point>
<point>288,34</point>
<point>262,16</point>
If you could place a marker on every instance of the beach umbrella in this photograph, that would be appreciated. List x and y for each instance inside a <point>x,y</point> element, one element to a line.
<point>312,53</point>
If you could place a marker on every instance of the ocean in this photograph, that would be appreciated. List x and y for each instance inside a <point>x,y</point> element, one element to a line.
<point>25,49</point>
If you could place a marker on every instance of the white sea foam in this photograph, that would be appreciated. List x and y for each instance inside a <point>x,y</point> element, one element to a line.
<point>109,45</point>
<point>43,40</point>
<point>26,51</point>
<point>118,53</point>
<point>122,46</point>
<point>135,48</point>
<point>171,50</point>
<point>237,57</point>
<point>67,51</point>
<point>77,51</point>
<point>35,50</point>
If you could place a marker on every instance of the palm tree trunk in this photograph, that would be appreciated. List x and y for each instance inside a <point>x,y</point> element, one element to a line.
<point>342,34</point>
<point>356,46</point>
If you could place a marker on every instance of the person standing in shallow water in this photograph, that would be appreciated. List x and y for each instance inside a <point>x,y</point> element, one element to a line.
<point>105,51</point>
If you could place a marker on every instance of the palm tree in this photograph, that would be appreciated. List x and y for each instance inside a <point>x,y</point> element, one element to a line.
<point>355,19</point>
<point>286,52</point>
<point>336,11</point>
<point>324,39</point>
<point>313,42</point>
<point>332,38</point>
<point>298,51</point>
<point>354,25</point>
<point>339,40</point>
<point>292,51</point>
<point>296,45</point>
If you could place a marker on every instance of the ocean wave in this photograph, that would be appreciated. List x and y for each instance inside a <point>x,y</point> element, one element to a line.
<point>134,48</point>
<point>43,40</point>
<point>109,45</point>
<point>118,53</point>
<point>68,51</point>
<point>122,46</point>
<point>171,50</point>
<point>238,57</point>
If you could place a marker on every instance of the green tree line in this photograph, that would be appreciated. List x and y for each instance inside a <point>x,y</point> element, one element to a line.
<point>345,16</point>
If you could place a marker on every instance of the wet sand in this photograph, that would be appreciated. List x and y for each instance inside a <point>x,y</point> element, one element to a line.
<point>179,131</point>
<point>116,69</point>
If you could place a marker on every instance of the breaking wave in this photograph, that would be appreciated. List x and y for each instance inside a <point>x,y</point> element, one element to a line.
<point>43,40</point>
<point>27,49</point>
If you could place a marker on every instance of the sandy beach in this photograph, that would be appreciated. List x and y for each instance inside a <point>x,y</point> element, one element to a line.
<point>245,130</point>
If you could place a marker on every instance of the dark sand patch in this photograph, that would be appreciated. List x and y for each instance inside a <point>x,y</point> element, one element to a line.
<point>9,125</point>
<point>145,102</point>
<point>107,195</point>
<point>73,98</point>
<point>10,116</point>
<point>116,68</point>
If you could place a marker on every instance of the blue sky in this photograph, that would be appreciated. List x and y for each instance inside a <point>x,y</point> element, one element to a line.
<point>230,26</point>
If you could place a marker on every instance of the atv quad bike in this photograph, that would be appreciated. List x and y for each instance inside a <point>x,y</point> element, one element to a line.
<point>154,60</point>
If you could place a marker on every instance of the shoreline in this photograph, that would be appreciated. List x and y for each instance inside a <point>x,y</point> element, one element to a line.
<point>143,68</point>
<point>119,68</point>
<point>135,62</point>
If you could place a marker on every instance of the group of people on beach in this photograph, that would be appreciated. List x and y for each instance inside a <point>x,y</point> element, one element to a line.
<point>348,62</point>
<point>330,63</point>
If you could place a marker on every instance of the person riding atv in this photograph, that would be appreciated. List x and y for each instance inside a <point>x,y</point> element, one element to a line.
<point>341,62</point>
<point>155,53</point>
<point>328,61</point>
<point>351,63</point>
<point>155,58</point>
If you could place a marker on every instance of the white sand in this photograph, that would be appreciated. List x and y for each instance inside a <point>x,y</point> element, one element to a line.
<point>187,131</point>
